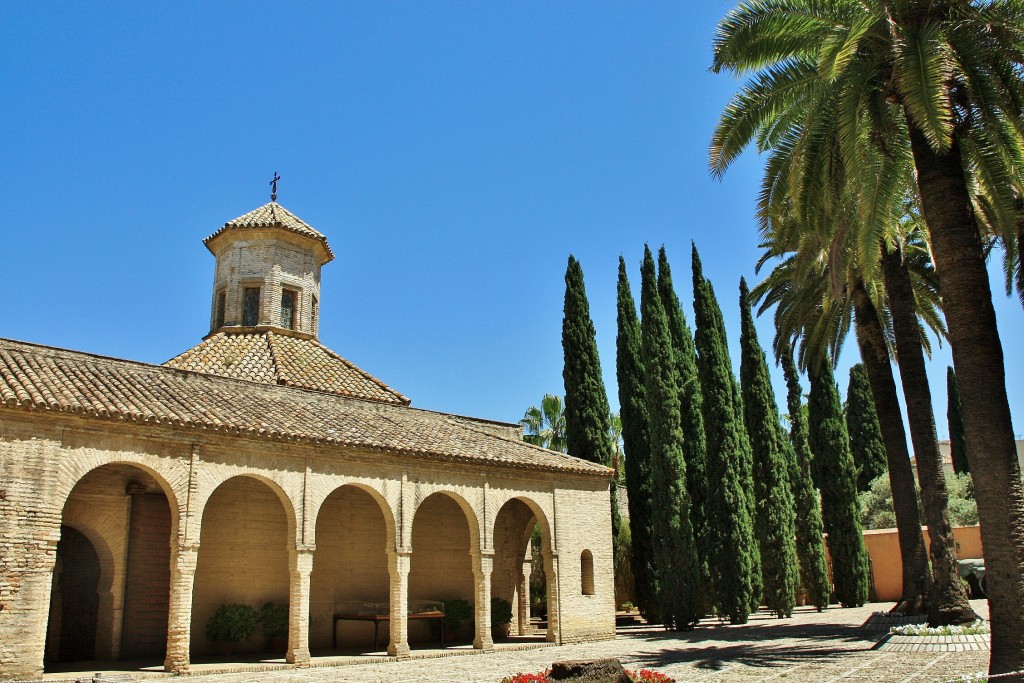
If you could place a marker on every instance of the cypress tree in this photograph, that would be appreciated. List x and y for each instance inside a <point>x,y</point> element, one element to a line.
<point>636,444</point>
<point>690,403</point>
<point>840,510</point>
<point>866,442</point>
<point>810,541</point>
<point>775,524</point>
<point>955,416</point>
<point>675,554</point>
<point>587,427</point>
<point>747,474</point>
<point>733,551</point>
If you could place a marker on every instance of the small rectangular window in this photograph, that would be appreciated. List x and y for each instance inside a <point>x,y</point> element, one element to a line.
<point>314,310</point>
<point>287,309</point>
<point>251,309</point>
<point>218,315</point>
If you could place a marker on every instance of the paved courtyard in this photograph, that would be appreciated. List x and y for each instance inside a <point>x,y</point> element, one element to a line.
<point>831,646</point>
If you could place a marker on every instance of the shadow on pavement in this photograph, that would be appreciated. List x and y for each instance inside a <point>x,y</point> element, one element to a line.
<point>759,644</point>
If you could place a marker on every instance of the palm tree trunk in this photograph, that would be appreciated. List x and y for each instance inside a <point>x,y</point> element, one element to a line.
<point>978,361</point>
<point>947,599</point>
<point>875,355</point>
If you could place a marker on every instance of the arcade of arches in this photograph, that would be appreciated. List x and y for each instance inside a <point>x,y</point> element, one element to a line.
<point>129,546</point>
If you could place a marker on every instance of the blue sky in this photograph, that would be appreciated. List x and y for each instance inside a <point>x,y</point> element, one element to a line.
<point>454,154</point>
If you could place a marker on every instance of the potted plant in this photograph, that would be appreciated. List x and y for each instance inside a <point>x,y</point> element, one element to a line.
<point>230,625</point>
<point>455,611</point>
<point>628,607</point>
<point>274,620</point>
<point>501,617</point>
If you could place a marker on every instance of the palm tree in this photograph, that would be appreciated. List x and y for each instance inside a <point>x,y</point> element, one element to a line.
<point>545,426</point>
<point>806,308</point>
<point>944,77</point>
<point>877,227</point>
<point>848,205</point>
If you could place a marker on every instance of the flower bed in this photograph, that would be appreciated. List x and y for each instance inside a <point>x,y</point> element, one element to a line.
<point>978,627</point>
<point>636,675</point>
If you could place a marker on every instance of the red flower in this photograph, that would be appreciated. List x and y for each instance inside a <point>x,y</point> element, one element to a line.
<point>638,676</point>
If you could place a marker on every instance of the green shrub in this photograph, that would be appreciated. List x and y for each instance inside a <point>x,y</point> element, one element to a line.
<point>232,623</point>
<point>454,612</point>
<point>274,620</point>
<point>501,612</point>
<point>877,511</point>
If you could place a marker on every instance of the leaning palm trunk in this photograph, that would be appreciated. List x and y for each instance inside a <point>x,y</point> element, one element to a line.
<point>947,600</point>
<point>978,361</point>
<point>875,354</point>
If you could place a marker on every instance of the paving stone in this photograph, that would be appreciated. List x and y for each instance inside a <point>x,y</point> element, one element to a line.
<point>814,647</point>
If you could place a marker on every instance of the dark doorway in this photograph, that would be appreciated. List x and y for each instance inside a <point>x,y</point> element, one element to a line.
<point>75,595</point>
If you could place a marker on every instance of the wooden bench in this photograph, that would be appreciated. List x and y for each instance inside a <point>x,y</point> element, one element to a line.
<point>377,618</point>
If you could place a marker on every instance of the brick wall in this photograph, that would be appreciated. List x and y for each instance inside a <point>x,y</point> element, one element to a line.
<point>148,578</point>
<point>578,528</point>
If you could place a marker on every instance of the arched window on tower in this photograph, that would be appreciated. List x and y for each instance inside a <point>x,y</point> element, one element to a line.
<point>251,308</point>
<point>218,310</point>
<point>288,299</point>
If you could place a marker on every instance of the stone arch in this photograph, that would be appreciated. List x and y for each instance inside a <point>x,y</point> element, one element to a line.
<point>132,541</point>
<point>539,511</point>
<point>512,532</point>
<point>103,552</point>
<point>247,533</point>
<point>472,517</point>
<point>355,532</point>
<point>445,549</point>
<point>317,502</point>
<point>72,470</point>
<point>212,478</point>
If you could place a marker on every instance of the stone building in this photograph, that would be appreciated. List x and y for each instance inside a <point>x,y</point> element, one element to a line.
<point>260,466</point>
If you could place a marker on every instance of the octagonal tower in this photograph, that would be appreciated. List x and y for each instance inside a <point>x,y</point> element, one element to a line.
<point>268,272</point>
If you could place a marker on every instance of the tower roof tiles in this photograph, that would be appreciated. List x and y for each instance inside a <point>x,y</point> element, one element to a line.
<point>273,215</point>
<point>271,357</point>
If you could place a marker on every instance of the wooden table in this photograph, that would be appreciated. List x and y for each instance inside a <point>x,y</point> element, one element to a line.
<point>377,618</point>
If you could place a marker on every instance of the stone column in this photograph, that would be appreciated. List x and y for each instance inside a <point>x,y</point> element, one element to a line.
<point>399,563</point>
<point>554,634</point>
<point>301,560</point>
<point>483,564</point>
<point>179,617</point>
<point>523,594</point>
<point>25,584</point>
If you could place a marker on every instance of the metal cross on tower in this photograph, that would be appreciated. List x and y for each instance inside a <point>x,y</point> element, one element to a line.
<point>273,187</point>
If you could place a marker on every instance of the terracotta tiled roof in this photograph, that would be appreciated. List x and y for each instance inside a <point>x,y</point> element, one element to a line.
<point>39,378</point>
<point>273,215</point>
<point>264,356</point>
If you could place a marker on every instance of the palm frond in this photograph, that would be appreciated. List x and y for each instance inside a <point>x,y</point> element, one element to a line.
<point>759,33</point>
<point>923,72</point>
